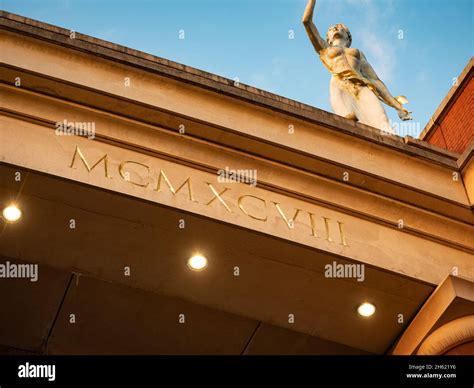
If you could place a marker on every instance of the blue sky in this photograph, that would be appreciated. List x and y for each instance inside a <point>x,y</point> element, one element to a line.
<point>249,39</point>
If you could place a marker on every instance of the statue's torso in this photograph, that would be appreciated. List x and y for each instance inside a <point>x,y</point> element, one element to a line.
<point>340,60</point>
<point>344,63</point>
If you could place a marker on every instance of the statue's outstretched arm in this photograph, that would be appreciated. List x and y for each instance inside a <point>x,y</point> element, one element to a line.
<point>318,42</point>
<point>382,90</point>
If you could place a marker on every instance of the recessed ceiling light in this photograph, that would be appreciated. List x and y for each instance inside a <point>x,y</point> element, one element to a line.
<point>366,309</point>
<point>11,213</point>
<point>197,263</point>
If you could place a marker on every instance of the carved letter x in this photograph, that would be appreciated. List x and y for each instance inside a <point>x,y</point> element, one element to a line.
<point>218,196</point>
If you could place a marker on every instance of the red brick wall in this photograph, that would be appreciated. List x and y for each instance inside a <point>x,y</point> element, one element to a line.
<point>436,137</point>
<point>456,129</point>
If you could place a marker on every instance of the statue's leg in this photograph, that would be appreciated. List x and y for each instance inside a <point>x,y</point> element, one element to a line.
<point>341,99</point>
<point>370,111</point>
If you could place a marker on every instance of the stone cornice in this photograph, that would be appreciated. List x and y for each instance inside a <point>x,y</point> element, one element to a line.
<point>202,79</point>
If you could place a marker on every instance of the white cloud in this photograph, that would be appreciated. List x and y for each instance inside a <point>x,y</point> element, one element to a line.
<point>258,80</point>
<point>371,34</point>
<point>379,52</point>
<point>108,34</point>
<point>267,78</point>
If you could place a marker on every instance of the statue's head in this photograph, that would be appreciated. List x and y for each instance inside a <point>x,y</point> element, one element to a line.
<point>339,35</point>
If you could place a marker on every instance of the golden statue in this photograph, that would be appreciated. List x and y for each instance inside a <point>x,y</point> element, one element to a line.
<point>355,88</point>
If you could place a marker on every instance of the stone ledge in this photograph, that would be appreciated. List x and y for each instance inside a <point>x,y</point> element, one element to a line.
<point>199,78</point>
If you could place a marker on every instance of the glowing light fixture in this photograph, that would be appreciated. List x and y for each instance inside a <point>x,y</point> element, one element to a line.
<point>11,213</point>
<point>197,263</point>
<point>366,309</point>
